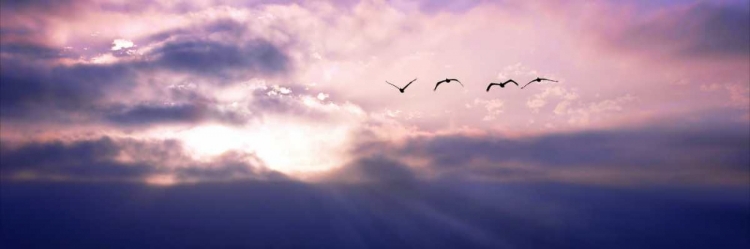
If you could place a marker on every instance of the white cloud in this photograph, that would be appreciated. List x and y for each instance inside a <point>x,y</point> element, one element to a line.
<point>494,107</point>
<point>583,116</point>
<point>119,44</point>
<point>540,100</point>
<point>561,107</point>
<point>738,95</point>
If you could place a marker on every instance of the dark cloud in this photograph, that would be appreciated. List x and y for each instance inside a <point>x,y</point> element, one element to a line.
<point>146,114</point>
<point>591,148</point>
<point>36,89</point>
<point>727,31</point>
<point>715,152</point>
<point>45,6</point>
<point>84,159</point>
<point>705,30</point>
<point>224,27</point>
<point>230,166</point>
<point>124,160</point>
<point>434,215</point>
<point>217,59</point>
<point>232,53</point>
<point>376,170</point>
<point>30,21</point>
<point>448,6</point>
<point>165,114</point>
<point>32,51</point>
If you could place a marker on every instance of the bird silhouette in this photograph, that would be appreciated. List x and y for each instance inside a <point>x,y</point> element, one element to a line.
<point>446,81</point>
<point>400,89</point>
<point>501,84</point>
<point>537,80</point>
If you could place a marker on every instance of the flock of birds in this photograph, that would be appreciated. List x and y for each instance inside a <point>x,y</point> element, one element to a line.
<point>502,85</point>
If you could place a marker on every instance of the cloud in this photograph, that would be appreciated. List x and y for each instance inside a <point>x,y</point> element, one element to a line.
<point>584,115</point>
<point>110,159</point>
<point>446,6</point>
<point>433,215</point>
<point>180,113</point>
<point>625,156</point>
<point>494,107</point>
<point>32,51</point>
<point>540,100</point>
<point>119,44</point>
<point>376,170</point>
<point>51,90</point>
<point>31,88</point>
<point>291,100</point>
<point>209,58</point>
<point>738,94</point>
<point>40,5</point>
<point>85,159</point>
<point>160,114</point>
<point>694,30</point>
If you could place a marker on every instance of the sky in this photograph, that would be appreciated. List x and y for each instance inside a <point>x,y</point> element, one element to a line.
<point>175,118</point>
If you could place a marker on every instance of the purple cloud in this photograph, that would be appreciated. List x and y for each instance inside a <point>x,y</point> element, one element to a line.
<point>698,30</point>
<point>112,159</point>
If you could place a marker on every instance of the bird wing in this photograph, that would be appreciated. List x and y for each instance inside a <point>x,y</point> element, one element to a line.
<point>490,85</point>
<point>547,79</point>
<point>459,82</point>
<point>436,85</point>
<point>528,83</point>
<point>392,84</point>
<point>511,81</point>
<point>407,85</point>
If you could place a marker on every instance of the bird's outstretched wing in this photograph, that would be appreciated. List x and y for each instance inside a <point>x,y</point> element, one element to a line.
<point>547,79</point>
<point>491,84</point>
<point>407,85</point>
<point>459,82</point>
<point>392,84</point>
<point>511,81</point>
<point>438,83</point>
<point>528,83</point>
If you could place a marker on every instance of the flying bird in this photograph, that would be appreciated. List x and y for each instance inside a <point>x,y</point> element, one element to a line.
<point>501,84</point>
<point>400,89</point>
<point>446,81</point>
<point>537,80</point>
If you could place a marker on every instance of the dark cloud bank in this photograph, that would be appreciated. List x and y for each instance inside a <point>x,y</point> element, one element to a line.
<point>697,30</point>
<point>433,215</point>
<point>110,159</point>
<point>35,91</point>
<point>378,201</point>
<point>37,88</point>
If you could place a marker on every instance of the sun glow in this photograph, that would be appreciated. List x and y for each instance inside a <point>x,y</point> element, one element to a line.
<point>288,147</point>
<point>161,180</point>
<point>204,142</point>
